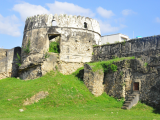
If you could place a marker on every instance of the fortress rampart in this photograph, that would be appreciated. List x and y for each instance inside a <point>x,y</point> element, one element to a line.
<point>147,46</point>
<point>76,36</point>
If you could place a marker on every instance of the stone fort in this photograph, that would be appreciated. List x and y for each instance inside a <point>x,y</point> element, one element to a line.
<point>76,36</point>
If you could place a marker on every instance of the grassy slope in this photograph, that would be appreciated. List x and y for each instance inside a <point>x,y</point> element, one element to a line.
<point>100,65</point>
<point>68,99</point>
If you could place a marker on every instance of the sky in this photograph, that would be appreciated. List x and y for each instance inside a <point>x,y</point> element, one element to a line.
<point>130,17</point>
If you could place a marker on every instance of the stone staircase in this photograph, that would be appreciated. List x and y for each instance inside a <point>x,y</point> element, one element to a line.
<point>131,101</point>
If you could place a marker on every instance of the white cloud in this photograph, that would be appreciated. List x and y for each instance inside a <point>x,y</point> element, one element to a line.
<point>105,13</point>
<point>157,19</point>
<point>28,10</point>
<point>9,25</point>
<point>128,12</point>
<point>107,28</point>
<point>119,20</point>
<point>69,8</point>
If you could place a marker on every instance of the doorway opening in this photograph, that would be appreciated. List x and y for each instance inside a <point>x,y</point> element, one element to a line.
<point>136,86</point>
<point>54,41</point>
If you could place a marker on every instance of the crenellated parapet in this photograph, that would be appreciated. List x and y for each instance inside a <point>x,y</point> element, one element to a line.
<point>38,21</point>
<point>62,20</point>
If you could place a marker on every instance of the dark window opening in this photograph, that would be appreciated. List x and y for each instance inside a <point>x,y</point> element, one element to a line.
<point>54,37</point>
<point>51,37</point>
<point>136,86</point>
<point>85,25</point>
<point>54,23</point>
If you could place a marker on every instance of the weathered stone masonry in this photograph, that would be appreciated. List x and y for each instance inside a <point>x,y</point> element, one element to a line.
<point>146,46</point>
<point>8,66</point>
<point>77,35</point>
<point>121,83</point>
<point>142,72</point>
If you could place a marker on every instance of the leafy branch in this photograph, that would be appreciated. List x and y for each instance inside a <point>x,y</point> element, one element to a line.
<point>18,60</point>
<point>27,48</point>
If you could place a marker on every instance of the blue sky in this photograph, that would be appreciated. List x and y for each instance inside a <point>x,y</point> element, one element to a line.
<point>114,16</point>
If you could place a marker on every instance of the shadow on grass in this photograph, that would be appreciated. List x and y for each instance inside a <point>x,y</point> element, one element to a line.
<point>156,110</point>
<point>80,75</point>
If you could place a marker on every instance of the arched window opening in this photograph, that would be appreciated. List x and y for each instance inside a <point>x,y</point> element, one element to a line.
<point>54,23</point>
<point>85,25</point>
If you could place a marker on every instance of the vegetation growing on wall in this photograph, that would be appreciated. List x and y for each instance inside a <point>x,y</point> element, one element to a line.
<point>26,49</point>
<point>54,47</point>
<point>18,60</point>
<point>124,42</point>
<point>145,64</point>
<point>46,55</point>
<point>107,65</point>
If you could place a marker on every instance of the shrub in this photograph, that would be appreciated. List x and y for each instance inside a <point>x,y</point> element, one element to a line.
<point>18,60</point>
<point>113,67</point>
<point>54,47</point>
<point>27,48</point>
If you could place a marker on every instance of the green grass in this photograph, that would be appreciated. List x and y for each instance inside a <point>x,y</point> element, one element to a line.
<point>54,47</point>
<point>68,99</point>
<point>106,65</point>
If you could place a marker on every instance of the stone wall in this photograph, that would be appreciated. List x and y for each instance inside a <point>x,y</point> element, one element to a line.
<point>93,80</point>
<point>76,41</point>
<point>121,83</point>
<point>147,46</point>
<point>38,67</point>
<point>3,53</point>
<point>8,66</point>
<point>67,68</point>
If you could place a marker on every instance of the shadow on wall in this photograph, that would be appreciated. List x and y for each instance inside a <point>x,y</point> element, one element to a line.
<point>14,70</point>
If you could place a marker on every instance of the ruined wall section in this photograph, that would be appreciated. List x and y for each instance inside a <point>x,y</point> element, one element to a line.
<point>93,80</point>
<point>147,46</point>
<point>3,63</point>
<point>121,83</point>
<point>8,66</point>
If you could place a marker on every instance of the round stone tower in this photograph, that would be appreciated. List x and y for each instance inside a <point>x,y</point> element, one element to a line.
<point>76,35</point>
